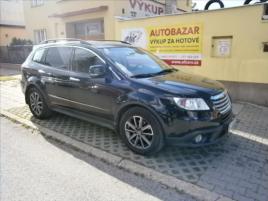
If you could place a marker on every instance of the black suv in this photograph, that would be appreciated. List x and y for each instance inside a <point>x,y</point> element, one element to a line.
<point>128,89</point>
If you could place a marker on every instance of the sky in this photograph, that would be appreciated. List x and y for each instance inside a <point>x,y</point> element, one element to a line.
<point>200,4</point>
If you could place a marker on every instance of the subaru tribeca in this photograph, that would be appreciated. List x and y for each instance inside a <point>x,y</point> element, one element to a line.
<point>128,89</point>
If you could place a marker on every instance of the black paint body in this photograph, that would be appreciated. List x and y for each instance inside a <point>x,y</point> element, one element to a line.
<point>104,100</point>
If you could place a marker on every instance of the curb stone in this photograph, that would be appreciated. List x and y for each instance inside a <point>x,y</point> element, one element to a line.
<point>195,191</point>
<point>11,66</point>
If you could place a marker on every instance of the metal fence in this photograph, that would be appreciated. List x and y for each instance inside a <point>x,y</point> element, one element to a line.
<point>14,54</point>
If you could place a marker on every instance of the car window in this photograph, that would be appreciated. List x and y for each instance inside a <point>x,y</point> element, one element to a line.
<point>39,56</point>
<point>58,57</point>
<point>135,61</point>
<point>83,59</point>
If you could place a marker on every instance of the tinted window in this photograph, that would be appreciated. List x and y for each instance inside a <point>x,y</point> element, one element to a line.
<point>83,59</point>
<point>58,57</point>
<point>39,56</point>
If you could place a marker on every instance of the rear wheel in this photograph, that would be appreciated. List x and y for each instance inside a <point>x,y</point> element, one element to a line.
<point>141,131</point>
<point>37,104</point>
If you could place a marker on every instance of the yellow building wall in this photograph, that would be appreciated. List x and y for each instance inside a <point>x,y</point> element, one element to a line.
<point>185,5</point>
<point>7,33</point>
<point>11,12</point>
<point>38,17</point>
<point>108,15</point>
<point>248,62</point>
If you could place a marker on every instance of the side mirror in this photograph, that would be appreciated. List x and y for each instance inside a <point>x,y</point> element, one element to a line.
<point>96,71</point>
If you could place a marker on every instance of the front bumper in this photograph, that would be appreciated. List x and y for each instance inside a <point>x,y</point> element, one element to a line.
<point>209,135</point>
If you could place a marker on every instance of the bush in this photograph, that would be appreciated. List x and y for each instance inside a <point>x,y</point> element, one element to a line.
<point>18,41</point>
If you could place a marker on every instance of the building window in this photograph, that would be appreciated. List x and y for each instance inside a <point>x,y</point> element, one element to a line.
<point>39,35</point>
<point>221,46</point>
<point>86,30</point>
<point>265,12</point>
<point>265,47</point>
<point>37,3</point>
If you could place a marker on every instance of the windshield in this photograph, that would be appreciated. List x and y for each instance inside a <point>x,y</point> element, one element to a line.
<point>135,61</point>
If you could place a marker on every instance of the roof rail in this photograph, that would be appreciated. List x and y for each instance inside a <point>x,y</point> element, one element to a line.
<point>63,39</point>
<point>119,41</point>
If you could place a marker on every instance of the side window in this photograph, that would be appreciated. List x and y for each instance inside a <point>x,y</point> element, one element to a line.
<point>39,56</point>
<point>58,57</point>
<point>83,59</point>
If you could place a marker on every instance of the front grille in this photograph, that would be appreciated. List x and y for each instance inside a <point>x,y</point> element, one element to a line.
<point>221,102</point>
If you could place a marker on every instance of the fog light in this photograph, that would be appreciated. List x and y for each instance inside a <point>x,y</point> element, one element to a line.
<point>198,138</point>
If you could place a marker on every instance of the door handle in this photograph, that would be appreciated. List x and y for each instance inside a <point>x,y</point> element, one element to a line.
<point>74,79</point>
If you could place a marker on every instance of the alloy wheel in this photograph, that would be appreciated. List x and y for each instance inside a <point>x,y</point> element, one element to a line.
<point>36,103</point>
<point>139,132</point>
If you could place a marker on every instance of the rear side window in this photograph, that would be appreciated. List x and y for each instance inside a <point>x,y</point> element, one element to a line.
<point>39,56</point>
<point>83,59</point>
<point>58,57</point>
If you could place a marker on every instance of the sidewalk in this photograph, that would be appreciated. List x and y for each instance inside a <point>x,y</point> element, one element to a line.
<point>236,168</point>
<point>7,69</point>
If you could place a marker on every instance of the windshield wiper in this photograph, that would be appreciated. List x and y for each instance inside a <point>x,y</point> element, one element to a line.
<point>143,75</point>
<point>165,71</point>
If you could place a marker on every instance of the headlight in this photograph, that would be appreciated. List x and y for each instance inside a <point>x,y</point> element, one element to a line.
<point>191,103</point>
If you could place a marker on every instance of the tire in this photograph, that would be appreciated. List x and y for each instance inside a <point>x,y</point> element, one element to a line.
<point>213,1</point>
<point>37,104</point>
<point>146,141</point>
<point>248,1</point>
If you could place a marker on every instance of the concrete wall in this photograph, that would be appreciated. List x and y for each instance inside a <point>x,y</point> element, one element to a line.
<point>248,92</point>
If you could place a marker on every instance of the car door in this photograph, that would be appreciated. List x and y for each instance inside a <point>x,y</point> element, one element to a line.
<point>94,95</point>
<point>56,74</point>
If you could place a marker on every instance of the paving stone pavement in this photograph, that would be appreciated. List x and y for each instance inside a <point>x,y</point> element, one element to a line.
<point>11,94</point>
<point>236,167</point>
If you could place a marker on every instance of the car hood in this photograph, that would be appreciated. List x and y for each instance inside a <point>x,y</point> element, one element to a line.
<point>184,84</point>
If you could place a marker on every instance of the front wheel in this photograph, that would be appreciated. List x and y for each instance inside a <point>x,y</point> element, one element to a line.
<point>141,131</point>
<point>37,104</point>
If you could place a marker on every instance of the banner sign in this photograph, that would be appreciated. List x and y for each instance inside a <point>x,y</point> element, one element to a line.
<point>135,36</point>
<point>176,44</point>
<point>142,8</point>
